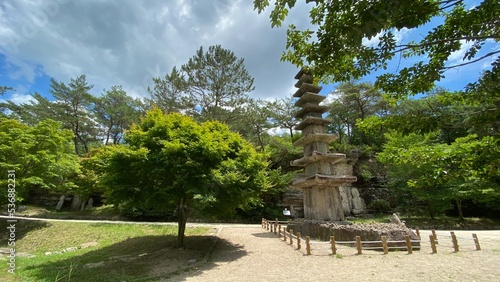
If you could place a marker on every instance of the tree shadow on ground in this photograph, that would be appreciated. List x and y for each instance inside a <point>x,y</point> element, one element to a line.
<point>146,258</point>
<point>266,235</point>
<point>22,228</point>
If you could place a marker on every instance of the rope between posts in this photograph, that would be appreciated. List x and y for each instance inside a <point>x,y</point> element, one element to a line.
<point>397,247</point>
<point>319,243</point>
<point>345,242</point>
<point>372,248</point>
<point>371,242</point>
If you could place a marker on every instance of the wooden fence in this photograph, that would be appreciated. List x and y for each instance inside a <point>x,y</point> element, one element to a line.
<point>276,227</point>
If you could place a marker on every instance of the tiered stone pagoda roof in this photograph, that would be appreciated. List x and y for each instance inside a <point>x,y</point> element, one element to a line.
<point>311,114</point>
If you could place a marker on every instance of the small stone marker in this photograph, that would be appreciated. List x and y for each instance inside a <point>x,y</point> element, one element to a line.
<point>90,204</point>
<point>60,203</point>
<point>395,219</point>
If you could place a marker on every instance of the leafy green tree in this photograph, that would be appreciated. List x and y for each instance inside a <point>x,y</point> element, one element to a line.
<point>337,50</point>
<point>171,160</point>
<point>254,123</point>
<point>410,172</point>
<point>436,173</point>
<point>483,97</point>
<point>282,112</point>
<point>3,90</point>
<point>41,156</point>
<point>169,94</point>
<point>353,102</point>
<point>218,82</point>
<point>72,107</point>
<point>116,112</point>
<point>448,113</point>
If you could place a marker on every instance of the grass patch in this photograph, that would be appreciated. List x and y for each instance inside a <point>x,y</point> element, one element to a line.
<point>440,222</point>
<point>124,252</point>
<point>107,212</point>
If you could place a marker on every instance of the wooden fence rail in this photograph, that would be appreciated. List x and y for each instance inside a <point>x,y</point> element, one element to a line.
<point>288,236</point>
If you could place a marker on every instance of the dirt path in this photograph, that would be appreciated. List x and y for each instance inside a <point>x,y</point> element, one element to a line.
<point>253,254</point>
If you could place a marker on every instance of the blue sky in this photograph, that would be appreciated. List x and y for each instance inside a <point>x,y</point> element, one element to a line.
<point>128,42</point>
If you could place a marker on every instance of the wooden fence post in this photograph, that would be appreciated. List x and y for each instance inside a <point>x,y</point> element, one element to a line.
<point>476,241</point>
<point>418,232</point>
<point>384,245</point>
<point>435,237</point>
<point>358,244</point>
<point>433,244</point>
<point>332,242</point>
<point>298,241</point>
<point>276,227</point>
<point>454,241</point>
<point>291,236</point>
<point>279,230</point>
<point>408,244</point>
<point>284,233</point>
<point>308,246</point>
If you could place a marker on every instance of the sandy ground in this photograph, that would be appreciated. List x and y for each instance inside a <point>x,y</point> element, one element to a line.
<point>244,253</point>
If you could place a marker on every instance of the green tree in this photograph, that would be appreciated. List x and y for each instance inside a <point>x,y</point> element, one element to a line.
<point>337,49</point>
<point>354,102</point>
<point>169,94</point>
<point>254,123</point>
<point>4,89</point>
<point>171,160</point>
<point>116,112</point>
<point>41,156</point>
<point>72,107</point>
<point>282,112</point>
<point>437,173</point>
<point>218,82</point>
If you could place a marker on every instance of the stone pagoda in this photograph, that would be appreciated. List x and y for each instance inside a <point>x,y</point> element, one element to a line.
<point>321,180</point>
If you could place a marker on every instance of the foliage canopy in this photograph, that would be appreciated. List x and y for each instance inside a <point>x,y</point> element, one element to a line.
<point>337,50</point>
<point>172,161</point>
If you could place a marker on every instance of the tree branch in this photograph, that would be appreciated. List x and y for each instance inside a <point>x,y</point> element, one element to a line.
<point>473,61</point>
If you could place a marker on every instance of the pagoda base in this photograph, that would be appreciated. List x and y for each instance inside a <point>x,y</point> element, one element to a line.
<point>323,203</point>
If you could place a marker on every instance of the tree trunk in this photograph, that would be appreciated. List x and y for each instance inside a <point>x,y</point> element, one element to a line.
<point>459,207</point>
<point>183,213</point>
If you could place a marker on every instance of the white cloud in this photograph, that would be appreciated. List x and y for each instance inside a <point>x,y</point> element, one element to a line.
<point>457,56</point>
<point>128,42</point>
<point>18,99</point>
<point>372,42</point>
